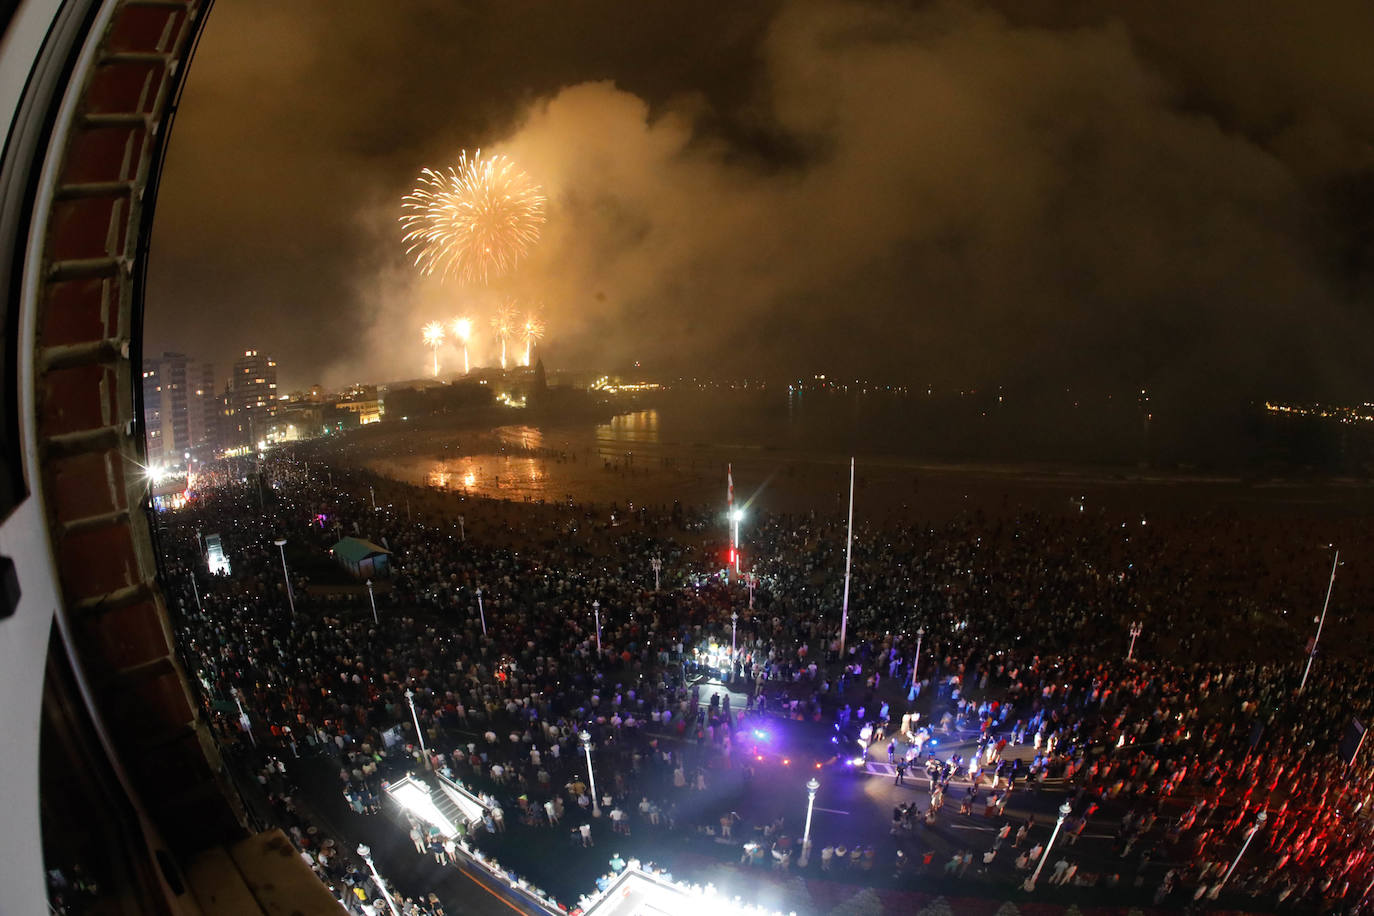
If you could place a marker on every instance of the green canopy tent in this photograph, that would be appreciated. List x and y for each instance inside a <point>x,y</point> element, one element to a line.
<point>362,558</point>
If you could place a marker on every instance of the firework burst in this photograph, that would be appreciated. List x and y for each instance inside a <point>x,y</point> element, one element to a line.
<point>461,329</point>
<point>474,222</point>
<point>533,332</point>
<point>433,335</point>
<point>505,323</point>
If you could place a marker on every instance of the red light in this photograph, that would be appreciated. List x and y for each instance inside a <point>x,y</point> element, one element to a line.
<point>759,757</point>
<point>786,762</point>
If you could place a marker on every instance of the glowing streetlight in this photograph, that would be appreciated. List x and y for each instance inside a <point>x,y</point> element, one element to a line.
<point>1064,810</point>
<point>1260,818</point>
<point>410,698</point>
<point>462,528</point>
<point>596,611</point>
<point>586,738</point>
<point>366,853</point>
<point>1135,631</point>
<point>734,621</point>
<point>811,788</point>
<point>751,580</point>
<point>286,575</point>
<point>657,565</point>
<point>373,598</point>
<point>481,612</point>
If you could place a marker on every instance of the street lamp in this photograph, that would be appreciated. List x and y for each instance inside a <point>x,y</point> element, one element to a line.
<point>1260,818</point>
<point>751,581</point>
<point>657,565</point>
<point>373,598</point>
<point>1134,631</point>
<point>596,611</point>
<point>373,493</point>
<point>734,621</point>
<point>586,738</point>
<point>381,885</point>
<point>462,528</point>
<point>244,722</point>
<point>286,575</point>
<point>481,612</point>
<point>811,788</point>
<point>1064,810</point>
<point>1312,653</point>
<point>195,590</point>
<point>410,698</point>
<point>916,665</point>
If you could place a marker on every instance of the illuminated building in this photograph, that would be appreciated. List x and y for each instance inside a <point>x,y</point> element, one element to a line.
<point>250,398</point>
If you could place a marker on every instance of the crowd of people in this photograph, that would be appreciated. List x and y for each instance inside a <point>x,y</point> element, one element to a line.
<point>1022,618</point>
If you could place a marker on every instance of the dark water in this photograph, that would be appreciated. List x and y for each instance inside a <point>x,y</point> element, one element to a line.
<point>983,427</point>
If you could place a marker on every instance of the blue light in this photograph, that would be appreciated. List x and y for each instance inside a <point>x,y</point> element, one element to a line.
<point>760,734</point>
<point>933,742</point>
<point>834,740</point>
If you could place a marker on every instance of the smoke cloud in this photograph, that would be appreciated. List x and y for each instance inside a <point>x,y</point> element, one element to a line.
<point>933,193</point>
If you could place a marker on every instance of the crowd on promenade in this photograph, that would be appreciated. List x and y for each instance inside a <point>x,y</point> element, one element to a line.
<point>1023,622</point>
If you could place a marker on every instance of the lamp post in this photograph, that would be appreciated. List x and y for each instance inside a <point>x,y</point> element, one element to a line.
<point>586,738</point>
<point>1260,818</point>
<point>286,575</point>
<point>596,612</point>
<point>751,581</point>
<point>734,621</point>
<point>244,722</point>
<point>1325,604</point>
<point>462,528</point>
<point>811,788</point>
<point>481,612</point>
<point>381,886</point>
<point>1064,810</point>
<point>373,598</point>
<point>1134,631</point>
<point>373,493</point>
<point>410,698</point>
<point>657,565</point>
<point>195,590</point>
<point>916,665</point>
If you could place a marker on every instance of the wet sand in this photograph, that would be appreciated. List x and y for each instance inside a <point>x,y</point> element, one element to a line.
<point>620,462</point>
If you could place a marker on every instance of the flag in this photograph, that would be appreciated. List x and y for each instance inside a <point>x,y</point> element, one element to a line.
<point>1351,741</point>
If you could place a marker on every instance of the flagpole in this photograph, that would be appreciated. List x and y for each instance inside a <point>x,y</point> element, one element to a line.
<point>730,516</point>
<point>848,555</point>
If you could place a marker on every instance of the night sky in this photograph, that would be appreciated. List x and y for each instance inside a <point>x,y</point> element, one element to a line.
<point>1032,194</point>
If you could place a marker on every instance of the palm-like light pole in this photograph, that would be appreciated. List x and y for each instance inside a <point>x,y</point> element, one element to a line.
<point>481,612</point>
<point>657,565</point>
<point>1135,631</point>
<point>734,621</point>
<point>372,598</point>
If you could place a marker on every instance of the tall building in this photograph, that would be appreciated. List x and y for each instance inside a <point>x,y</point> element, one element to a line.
<point>152,412</point>
<point>250,399</point>
<point>180,412</point>
<point>203,410</point>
